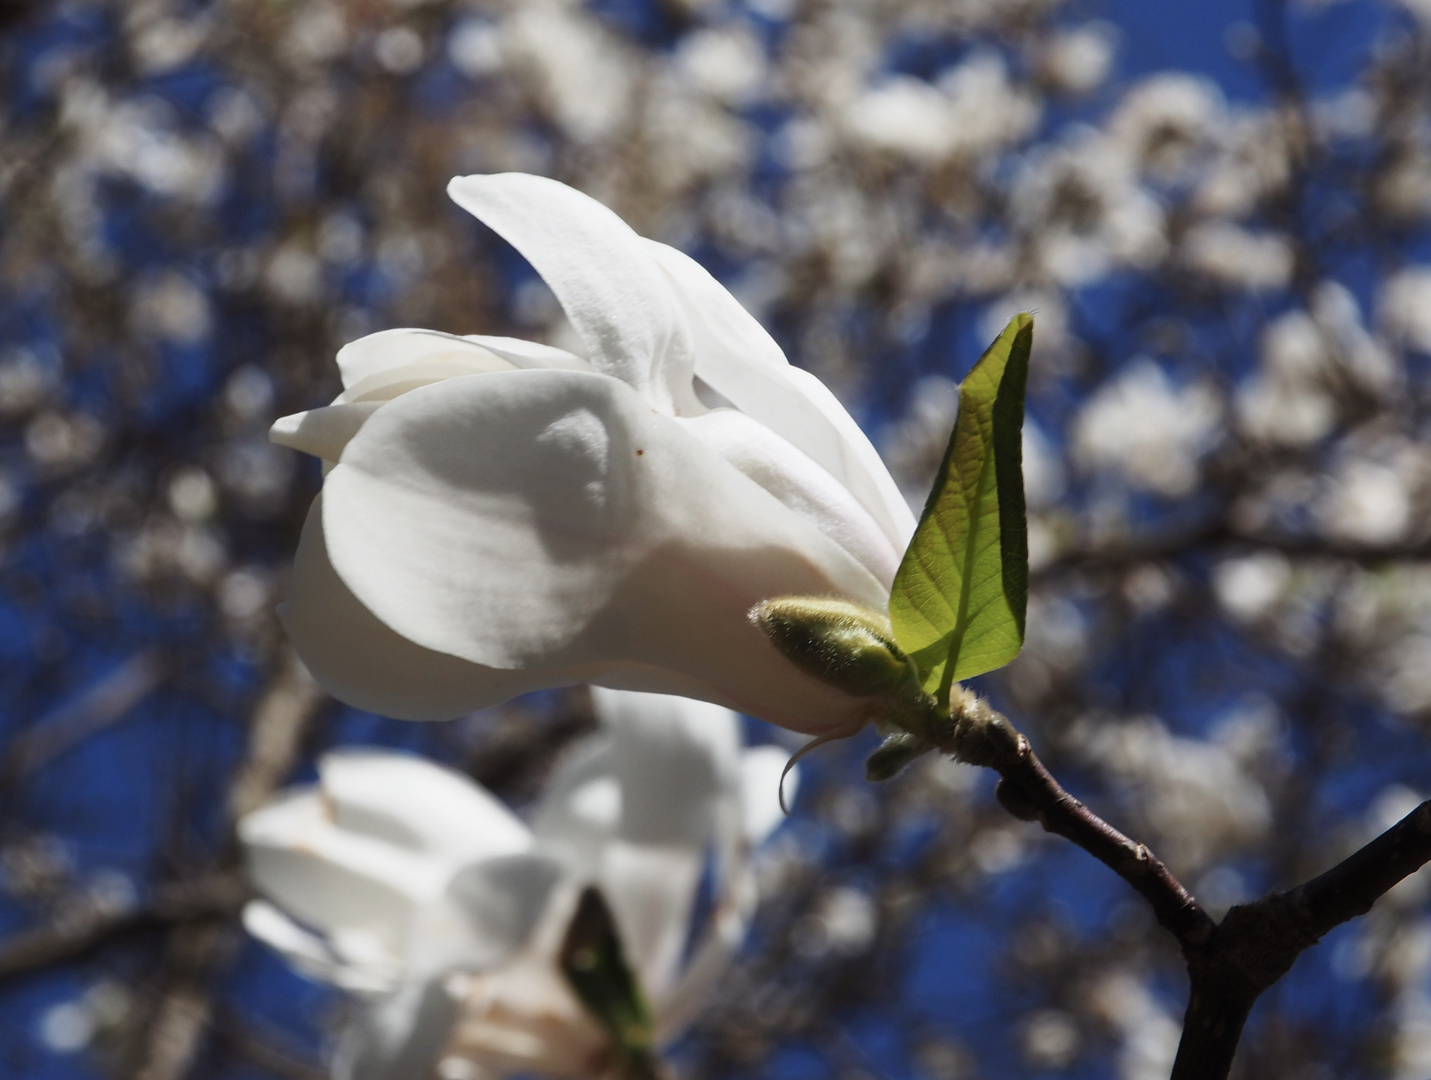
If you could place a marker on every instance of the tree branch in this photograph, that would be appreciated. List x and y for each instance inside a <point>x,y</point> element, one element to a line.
<point>1230,963</point>
<point>1218,534</point>
<point>1027,790</point>
<point>1257,943</point>
<point>83,930</point>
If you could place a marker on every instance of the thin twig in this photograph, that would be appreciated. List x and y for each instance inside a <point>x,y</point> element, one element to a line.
<point>1029,791</point>
<point>1230,963</point>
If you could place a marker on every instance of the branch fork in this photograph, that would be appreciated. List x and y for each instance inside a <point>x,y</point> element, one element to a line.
<point>1230,963</point>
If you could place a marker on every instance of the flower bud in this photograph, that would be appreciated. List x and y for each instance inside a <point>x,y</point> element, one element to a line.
<point>844,644</point>
<point>894,754</point>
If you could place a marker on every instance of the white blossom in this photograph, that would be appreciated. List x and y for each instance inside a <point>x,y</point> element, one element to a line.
<point>1405,307</point>
<point>1082,205</point>
<point>1201,798</point>
<point>1248,586</point>
<point>1165,121</point>
<point>1237,257</point>
<point>973,109</point>
<point>728,63</point>
<point>1367,501</point>
<point>1077,60</point>
<point>1151,432</point>
<point>410,886</point>
<point>585,81</point>
<point>500,515</point>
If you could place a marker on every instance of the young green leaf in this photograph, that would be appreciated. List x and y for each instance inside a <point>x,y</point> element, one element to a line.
<point>958,602</point>
<point>596,969</point>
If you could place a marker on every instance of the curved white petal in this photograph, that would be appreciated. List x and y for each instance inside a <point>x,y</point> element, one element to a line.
<point>306,951</point>
<point>684,1000</point>
<point>738,359</point>
<point>617,298</point>
<point>761,768</point>
<point>322,432</point>
<point>396,381</point>
<point>402,1037</point>
<point>502,899</point>
<point>672,758</point>
<point>362,662</point>
<point>361,891</point>
<point>581,808</point>
<point>520,352</point>
<point>799,484</point>
<point>418,805</point>
<point>361,363</point>
<point>651,890</point>
<point>551,525</point>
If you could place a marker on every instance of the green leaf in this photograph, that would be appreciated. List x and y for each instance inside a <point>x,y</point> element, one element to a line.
<point>596,969</point>
<point>959,597</point>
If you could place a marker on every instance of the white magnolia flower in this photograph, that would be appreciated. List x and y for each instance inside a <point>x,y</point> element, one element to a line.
<point>501,515</point>
<point>409,885</point>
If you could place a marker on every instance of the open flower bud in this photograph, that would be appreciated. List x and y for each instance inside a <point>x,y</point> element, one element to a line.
<point>846,645</point>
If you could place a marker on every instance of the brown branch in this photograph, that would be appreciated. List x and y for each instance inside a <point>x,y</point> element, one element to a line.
<point>982,736</point>
<point>1257,943</point>
<point>1230,963</point>
<point>173,1029</point>
<point>1220,535</point>
<point>80,931</point>
<point>105,703</point>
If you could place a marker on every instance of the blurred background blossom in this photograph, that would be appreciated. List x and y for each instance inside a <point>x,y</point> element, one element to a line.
<point>1220,213</point>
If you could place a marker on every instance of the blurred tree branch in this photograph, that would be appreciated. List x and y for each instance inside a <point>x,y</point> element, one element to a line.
<point>75,933</point>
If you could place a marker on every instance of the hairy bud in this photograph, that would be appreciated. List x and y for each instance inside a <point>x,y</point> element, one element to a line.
<point>844,644</point>
<point>982,736</point>
<point>894,754</point>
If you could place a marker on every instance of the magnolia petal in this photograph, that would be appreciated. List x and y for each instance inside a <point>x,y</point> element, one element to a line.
<point>581,809</point>
<point>652,890</point>
<point>396,381</point>
<point>322,432</point>
<point>360,661</point>
<point>502,899</point>
<point>418,805</point>
<point>799,484</point>
<point>861,468</point>
<point>519,352</point>
<point>618,300</point>
<point>525,1018</point>
<point>311,955</point>
<point>737,358</point>
<point>376,354</point>
<point>672,757</point>
<point>401,1037</point>
<point>722,940</point>
<point>761,771</point>
<point>593,536</point>
<point>306,951</point>
<point>336,881</point>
